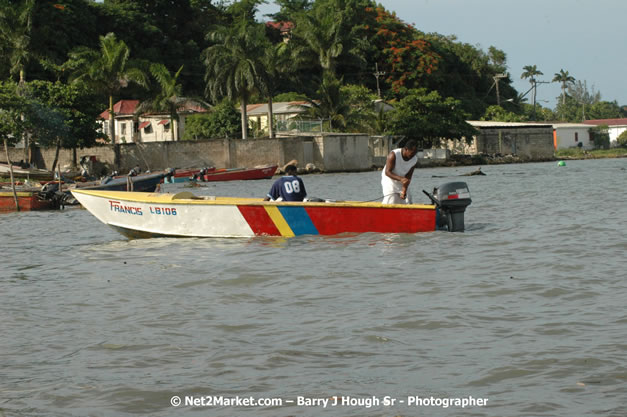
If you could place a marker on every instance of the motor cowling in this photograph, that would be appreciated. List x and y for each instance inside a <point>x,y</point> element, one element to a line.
<point>452,199</point>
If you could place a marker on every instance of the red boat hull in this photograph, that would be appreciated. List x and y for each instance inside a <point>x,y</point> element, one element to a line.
<point>27,200</point>
<point>242,174</point>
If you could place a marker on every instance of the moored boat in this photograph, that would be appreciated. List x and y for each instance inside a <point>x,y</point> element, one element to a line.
<point>184,175</point>
<point>234,174</point>
<point>183,214</point>
<point>142,183</point>
<point>32,173</point>
<point>27,200</point>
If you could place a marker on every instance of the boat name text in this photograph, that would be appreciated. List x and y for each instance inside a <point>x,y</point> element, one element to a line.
<point>166,211</point>
<point>118,207</point>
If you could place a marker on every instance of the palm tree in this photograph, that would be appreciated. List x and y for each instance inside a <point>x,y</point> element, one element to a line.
<point>107,70</point>
<point>332,104</point>
<point>234,64</point>
<point>531,71</point>
<point>565,78</point>
<point>321,31</point>
<point>169,98</point>
<point>275,63</point>
<point>16,24</point>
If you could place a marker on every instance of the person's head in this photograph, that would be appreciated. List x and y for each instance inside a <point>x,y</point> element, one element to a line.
<point>410,149</point>
<point>290,170</point>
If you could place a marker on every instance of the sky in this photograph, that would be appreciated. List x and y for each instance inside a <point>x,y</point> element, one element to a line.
<point>587,38</point>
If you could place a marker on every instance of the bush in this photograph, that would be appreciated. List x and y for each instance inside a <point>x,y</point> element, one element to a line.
<point>600,137</point>
<point>622,139</point>
<point>222,121</point>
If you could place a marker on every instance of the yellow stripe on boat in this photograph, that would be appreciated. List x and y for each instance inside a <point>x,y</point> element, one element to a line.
<point>188,198</point>
<point>279,221</point>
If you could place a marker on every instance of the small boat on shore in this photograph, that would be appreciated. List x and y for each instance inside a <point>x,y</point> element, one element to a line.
<point>27,200</point>
<point>188,174</point>
<point>32,173</point>
<point>138,215</point>
<point>235,174</point>
<point>141,183</point>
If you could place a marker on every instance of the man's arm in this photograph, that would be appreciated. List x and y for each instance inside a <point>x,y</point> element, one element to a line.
<point>389,166</point>
<point>406,185</point>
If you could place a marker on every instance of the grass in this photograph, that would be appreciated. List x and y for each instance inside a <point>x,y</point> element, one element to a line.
<point>576,153</point>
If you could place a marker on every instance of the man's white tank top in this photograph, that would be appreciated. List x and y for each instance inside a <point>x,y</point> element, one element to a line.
<point>401,168</point>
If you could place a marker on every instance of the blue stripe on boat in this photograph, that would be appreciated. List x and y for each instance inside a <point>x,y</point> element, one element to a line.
<point>298,220</point>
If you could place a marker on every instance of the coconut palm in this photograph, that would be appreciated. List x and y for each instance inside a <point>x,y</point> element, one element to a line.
<point>331,105</point>
<point>170,96</point>
<point>565,78</point>
<point>16,24</point>
<point>530,72</point>
<point>275,64</point>
<point>108,70</point>
<point>234,64</point>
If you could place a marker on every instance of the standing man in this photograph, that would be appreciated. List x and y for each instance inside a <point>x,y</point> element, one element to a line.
<point>396,174</point>
<point>287,188</point>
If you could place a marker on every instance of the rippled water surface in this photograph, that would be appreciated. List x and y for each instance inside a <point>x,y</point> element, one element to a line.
<point>525,309</point>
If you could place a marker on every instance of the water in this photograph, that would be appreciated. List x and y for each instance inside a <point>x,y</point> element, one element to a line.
<point>525,309</point>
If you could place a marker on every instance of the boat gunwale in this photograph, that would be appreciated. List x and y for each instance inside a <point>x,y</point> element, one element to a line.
<point>186,198</point>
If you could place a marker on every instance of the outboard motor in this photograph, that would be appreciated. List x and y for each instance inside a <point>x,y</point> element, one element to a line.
<point>451,199</point>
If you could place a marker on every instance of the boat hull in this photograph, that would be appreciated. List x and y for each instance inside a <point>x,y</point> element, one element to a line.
<point>27,200</point>
<point>184,215</point>
<point>242,174</point>
<point>144,182</point>
<point>32,173</point>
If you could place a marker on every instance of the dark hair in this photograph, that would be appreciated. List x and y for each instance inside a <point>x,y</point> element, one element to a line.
<point>411,144</point>
<point>290,168</point>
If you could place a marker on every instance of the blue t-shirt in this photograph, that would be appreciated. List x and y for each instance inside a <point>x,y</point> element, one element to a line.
<point>289,188</point>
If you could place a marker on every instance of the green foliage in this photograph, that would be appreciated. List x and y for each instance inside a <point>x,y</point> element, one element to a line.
<point>362,116</point>
<point>286,97</point>
<point>603,110</point>
<point>16,25</point>
<point>600,137</point>
<point>622,139</point>
<point>13,107</point>
<point>235,64</point>
<point>107,70</point>
<point>76,105</point>
<point>330,105</point>
<point>427,117</point>
<point>221,122</point>
<point>498,113</point>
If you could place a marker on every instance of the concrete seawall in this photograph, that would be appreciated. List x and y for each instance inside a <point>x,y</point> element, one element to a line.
<point>329,153</point>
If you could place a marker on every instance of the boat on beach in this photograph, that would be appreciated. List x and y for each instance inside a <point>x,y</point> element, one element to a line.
<point>222,174</point>
<point>27,200</point>
<point>140,215</point>
<point>235,174</point>
<point>32,173</point>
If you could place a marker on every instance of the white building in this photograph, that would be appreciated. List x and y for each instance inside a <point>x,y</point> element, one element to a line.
<point>571,135</point>
<point>615,127</point>
<point>130,127</point>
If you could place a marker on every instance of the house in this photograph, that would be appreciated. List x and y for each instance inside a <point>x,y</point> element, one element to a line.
<point>284,114</point>
<point>615,127</point>
<point>284,29</point>
<point>571,135</point>
<point>131,127</point>
<point>287,116</point>
<point>526,140</point>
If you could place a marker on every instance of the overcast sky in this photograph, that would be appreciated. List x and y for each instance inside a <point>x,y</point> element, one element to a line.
<point>587,38</point>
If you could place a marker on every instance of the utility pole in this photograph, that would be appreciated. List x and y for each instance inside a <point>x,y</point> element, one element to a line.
<point>535,87</point>
<point>378,74</point>
<point>496,78</point>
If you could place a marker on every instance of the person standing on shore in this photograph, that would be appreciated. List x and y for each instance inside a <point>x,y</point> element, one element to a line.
<point>397,173</point>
